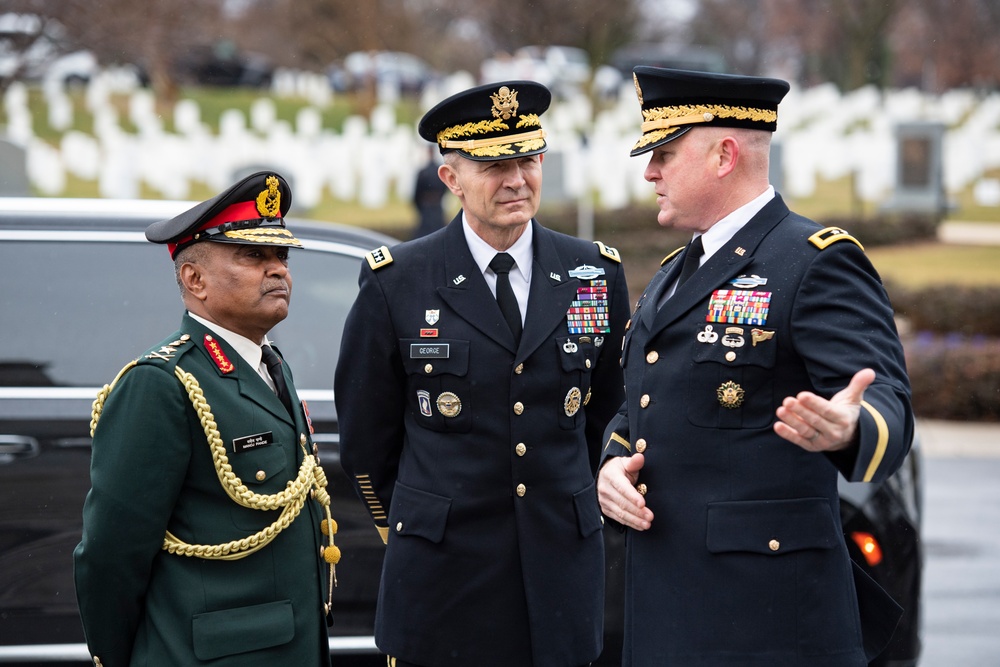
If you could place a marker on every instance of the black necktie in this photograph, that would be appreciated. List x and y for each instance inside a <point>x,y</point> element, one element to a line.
<point>692,258</point>
<point>501,265</point>
<point>273,363</point>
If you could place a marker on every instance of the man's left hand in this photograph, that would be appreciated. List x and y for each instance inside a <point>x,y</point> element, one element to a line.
<point>817,424</point>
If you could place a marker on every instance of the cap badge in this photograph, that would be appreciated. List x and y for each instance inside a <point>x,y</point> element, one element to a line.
<point>504,103</point>
<point>269,200</point>
<point>638,90</point>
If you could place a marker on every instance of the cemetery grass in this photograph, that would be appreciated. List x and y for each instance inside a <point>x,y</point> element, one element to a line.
<point>932,264</point>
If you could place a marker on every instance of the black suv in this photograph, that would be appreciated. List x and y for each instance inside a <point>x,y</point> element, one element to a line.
<point>86,293</point>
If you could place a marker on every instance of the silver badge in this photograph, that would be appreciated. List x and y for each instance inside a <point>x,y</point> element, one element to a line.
<point>569,347</point>
<point>586,272</point>
<point>708,335</point>
<point>432,316</point>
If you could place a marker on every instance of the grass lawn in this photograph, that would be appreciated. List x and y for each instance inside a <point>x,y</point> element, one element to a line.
<point>926,264</point>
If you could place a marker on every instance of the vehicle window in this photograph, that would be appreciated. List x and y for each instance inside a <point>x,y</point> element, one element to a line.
<point>75,313</point>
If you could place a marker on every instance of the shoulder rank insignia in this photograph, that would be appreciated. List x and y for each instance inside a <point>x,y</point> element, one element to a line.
<point>167,352</point>
<point>671,255</point>
<point>378,258</point>
<point>830,235</point>
<point>610,253</point>
<point>218,356</point>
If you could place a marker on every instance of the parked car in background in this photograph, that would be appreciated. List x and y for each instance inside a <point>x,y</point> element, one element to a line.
<point>85,293</point>
<point>35,48</point>
<point>223,64</point>
<point>361,68</point>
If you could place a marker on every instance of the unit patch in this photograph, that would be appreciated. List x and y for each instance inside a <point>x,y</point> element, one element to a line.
<point>424,401</point>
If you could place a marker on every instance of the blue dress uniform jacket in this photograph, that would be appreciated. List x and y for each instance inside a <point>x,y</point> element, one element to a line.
<point>745,563</point>
<point>476,458</point>
<point>152,471</point>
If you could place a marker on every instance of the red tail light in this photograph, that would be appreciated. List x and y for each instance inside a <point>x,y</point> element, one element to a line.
<point>869,546</point>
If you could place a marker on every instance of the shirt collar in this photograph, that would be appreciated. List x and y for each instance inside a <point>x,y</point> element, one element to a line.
<point>721,232</point>
<point>483,253</point>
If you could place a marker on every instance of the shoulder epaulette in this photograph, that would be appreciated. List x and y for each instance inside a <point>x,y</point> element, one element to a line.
<point>610,253</point>
<point>379,257</point>
<point>830,235</point>
<point>168,350</point>
<point>671,255</point>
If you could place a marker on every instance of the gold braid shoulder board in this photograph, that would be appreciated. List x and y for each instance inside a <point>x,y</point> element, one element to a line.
<point>310,477</point>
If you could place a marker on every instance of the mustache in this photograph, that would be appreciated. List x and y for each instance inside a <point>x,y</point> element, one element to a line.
<point>276,285</point>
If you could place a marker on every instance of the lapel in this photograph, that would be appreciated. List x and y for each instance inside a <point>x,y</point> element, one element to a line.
<point>249,385</point>
<point>552,291</point>
<point>721,267</point>
<point>466,291</point>
<point>663,279</point>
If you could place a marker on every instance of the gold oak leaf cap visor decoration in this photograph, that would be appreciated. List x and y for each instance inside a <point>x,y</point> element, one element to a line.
<point>497,121</point>
<point>674,101</point>
<point>250,212</point>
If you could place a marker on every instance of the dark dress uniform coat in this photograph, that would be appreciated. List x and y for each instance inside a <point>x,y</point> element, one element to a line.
<point>152,471</point>
<point>745,563</point>
<point>494,543</point>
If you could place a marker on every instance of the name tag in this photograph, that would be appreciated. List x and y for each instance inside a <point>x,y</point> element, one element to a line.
<point>249,442</point>
<point>421,351</point>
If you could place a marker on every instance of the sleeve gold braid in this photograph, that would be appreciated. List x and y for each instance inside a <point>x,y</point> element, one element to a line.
<point>290,501</point>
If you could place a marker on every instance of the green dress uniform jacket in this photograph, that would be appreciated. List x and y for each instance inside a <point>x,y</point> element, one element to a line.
<point>745,563</point>
<point>477,457</point>
<point>152,471</point>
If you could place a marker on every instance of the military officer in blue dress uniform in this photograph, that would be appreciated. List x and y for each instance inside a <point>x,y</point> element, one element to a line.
<point>761,360</point>
<point>203,533</point>
<point>478,369</point>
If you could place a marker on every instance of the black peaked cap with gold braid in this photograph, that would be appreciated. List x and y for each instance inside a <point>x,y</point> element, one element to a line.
<point>673,101</point>
<point>497,121</point>
<point>250,212</point>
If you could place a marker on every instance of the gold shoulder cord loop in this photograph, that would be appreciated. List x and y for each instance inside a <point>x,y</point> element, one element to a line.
<point>291,500</point>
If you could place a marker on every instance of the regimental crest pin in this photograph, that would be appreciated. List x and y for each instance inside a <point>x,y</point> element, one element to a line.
<point>431,316</point>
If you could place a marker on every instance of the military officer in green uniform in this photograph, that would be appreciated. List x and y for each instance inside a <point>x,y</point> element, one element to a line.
<point>207,533</point>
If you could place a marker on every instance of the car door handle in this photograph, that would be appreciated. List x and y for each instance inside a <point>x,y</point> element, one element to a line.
<point>13,447</point>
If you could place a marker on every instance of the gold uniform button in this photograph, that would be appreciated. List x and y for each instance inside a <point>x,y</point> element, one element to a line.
<point>587,363</point>
<point>399,527</point>
<point>315,449</point>
<point>519,369</point>
<point>521,490</point>
<point>261,475</point>
<point>640,445</point>
<point>652,357</point>
<point>518,408</point>
<point>730,356</point>
<point>774,545</point>
<point>521,449</point>
<point>641,489</point>
<point>428,368</point>
<point>302,438</point>
<point>644,401</point>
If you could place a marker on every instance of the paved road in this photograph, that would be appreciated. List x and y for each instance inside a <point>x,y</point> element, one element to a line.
<point>962,539</point>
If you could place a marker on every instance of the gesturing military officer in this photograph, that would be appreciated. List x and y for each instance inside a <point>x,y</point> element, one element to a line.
<point>201,539</point>
<point>478,369</point>
<point>736,555</point>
